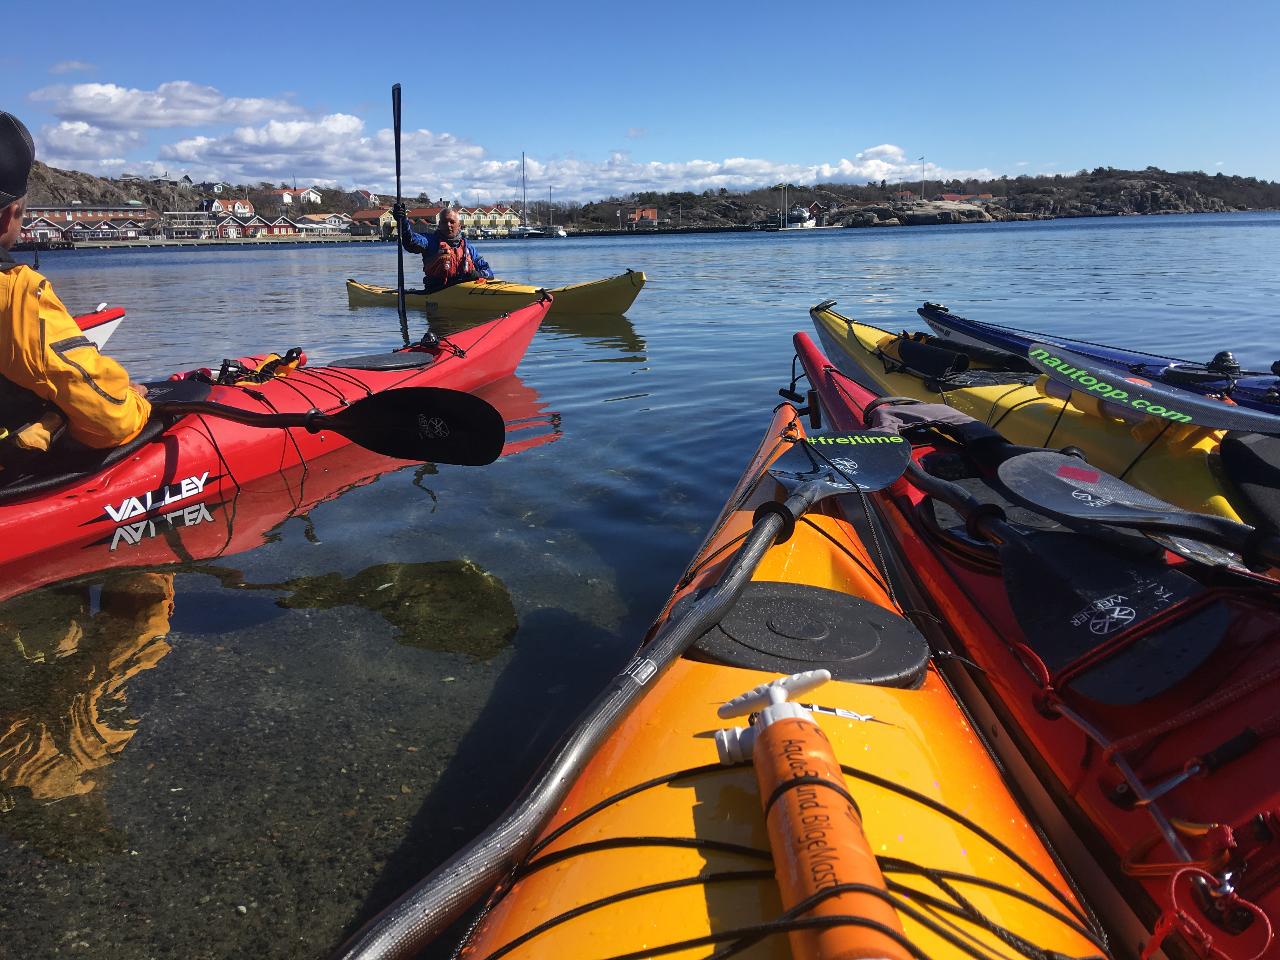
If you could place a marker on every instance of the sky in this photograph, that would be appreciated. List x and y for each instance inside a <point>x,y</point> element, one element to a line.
<point>607,99</point>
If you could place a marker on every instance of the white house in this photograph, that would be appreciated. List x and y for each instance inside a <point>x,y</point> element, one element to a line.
<point>235,207</point>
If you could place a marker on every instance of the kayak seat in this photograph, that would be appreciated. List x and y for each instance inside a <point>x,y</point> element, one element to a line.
<point>1252,463</point>
<point>791,627</point>
<point>400,360</point>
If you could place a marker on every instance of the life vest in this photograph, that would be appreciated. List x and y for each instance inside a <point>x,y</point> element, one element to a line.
<point>459,263</point>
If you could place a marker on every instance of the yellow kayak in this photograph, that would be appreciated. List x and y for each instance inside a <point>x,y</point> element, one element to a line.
<point>1178,463</point>
<point>612,295</point>
<point>665,841</point>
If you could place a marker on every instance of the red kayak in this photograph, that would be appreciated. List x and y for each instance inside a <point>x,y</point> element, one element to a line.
<point>1129,690</point>
<point>166,478</point>
<point>99,325</point>
<point>241,519</point>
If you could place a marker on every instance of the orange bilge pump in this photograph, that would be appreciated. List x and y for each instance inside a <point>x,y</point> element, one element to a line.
<point>815,828</point>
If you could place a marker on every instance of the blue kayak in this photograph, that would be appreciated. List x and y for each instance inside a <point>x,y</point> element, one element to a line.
<point>1221,376</point>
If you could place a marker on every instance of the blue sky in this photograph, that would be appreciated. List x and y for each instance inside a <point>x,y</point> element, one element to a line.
<point>613,98</point>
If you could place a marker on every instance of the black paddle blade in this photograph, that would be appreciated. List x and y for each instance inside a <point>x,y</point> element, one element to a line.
<point>422,423</point>
<point>847,462</point>
<point>1068,488</point>
<point>1143,396</point>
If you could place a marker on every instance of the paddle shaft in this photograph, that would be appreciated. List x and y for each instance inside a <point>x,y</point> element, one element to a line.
<point>395,127</point>
<point>313,420</point>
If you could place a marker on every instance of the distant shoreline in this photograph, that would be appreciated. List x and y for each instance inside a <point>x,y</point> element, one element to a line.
<point>649,232</point>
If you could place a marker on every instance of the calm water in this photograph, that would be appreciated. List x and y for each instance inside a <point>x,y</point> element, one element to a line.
<point>323,718</point>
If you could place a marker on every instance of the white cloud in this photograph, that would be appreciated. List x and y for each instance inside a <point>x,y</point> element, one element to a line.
<point>330,150</point>
<point>252,139</point>
<point>72,66</point>
<point>1220,163</point>
<point>76,145</point>
<point>178,103</point>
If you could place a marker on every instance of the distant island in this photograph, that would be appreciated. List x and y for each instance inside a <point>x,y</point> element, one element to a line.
<point>1104,191</point>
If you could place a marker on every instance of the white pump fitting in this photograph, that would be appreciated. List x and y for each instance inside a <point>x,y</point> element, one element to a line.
<point>734,744</point>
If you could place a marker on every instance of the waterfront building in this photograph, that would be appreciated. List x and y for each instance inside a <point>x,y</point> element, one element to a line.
<point>190,224</point>
<point>376,222</point>
<point>64,215</point>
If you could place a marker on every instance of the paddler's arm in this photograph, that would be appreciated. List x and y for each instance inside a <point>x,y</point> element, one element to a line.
<point>62,365</point>
<point>411,241</point>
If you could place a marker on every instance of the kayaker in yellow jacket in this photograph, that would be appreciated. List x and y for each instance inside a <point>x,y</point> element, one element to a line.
<point>50,373</point>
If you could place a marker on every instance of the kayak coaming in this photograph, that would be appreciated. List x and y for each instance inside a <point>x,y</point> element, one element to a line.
<point>610,295</point>
<point>1176,463</point>
<point>919,738</point>
<point>201,457</point>
<point>1057,764</point>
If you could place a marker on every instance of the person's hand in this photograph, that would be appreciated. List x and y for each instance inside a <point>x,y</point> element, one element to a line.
<point>139,388</point>
<point>398,210</point>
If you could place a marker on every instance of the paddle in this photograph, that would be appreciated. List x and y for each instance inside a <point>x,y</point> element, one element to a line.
<point>409,924</point>
<point>395,126</point>
<point>411,423</point>
<point>1144,396</point>
<point>1067,488</point>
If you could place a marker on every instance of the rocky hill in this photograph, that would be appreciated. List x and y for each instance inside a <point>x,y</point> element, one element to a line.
<point>1102,192</point>
<point>49,186</point>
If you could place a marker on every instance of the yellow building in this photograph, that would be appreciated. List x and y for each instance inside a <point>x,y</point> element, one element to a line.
<point>488,221</point>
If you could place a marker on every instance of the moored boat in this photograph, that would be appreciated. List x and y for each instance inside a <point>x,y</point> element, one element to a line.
<point>612,295</point>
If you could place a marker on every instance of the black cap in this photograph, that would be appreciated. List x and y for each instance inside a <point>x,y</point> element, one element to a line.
<point>17,153</point>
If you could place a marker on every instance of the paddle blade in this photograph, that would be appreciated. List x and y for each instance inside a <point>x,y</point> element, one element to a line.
<point>422,423</point>
<point>847,462</point>
<point>1068,486</point>
<point>1144,396</point>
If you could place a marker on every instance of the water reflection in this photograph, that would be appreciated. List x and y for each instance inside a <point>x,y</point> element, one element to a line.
<point>64,710</point>
<point>605,330</point>
<point>452,605</point>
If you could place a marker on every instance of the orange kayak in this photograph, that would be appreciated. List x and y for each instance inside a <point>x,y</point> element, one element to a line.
<point>658,842</point>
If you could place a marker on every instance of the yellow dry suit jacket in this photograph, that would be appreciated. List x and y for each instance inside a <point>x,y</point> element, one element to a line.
<point>43,352</point>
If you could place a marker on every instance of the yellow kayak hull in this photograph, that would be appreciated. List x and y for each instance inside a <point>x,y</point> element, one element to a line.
<point>1174,462</point>
<point>612,295</point>
<point>656,844</point>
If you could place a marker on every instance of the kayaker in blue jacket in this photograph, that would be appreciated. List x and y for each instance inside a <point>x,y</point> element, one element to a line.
<point>447,256</point>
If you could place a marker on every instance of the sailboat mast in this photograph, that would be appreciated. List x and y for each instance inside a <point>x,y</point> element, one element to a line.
<point>524,194</point>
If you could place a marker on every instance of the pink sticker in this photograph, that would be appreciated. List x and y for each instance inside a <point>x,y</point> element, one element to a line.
<point>1079,473</point>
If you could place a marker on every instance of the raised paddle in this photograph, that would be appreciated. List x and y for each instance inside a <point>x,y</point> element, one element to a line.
<point>1070,489</point>
<point>411,423</point>
<point>395,127</point>
<point>1144,396</point>
<point>409,924</point>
